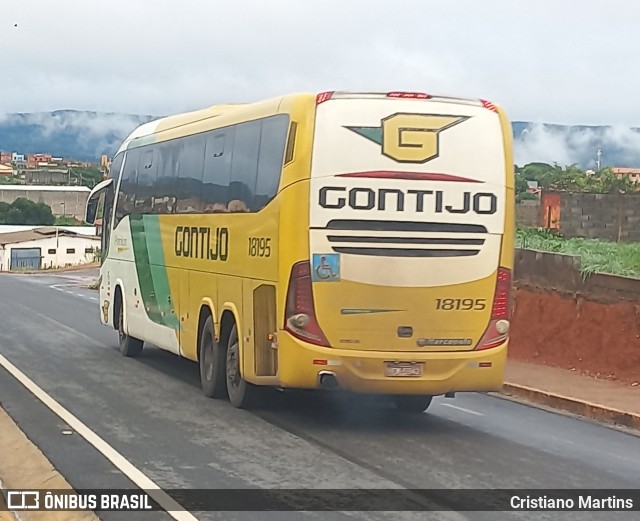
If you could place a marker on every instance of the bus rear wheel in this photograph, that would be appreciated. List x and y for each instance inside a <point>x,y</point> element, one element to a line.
<point>242,394</point>
<point>129,346</point>
<point>211,360</point>
<point>412,404</point>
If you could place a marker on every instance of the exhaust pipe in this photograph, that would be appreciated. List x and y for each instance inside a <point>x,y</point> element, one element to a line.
<point>327,380</point>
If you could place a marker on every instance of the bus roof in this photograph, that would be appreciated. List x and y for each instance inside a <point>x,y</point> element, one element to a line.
<point>178,120</point>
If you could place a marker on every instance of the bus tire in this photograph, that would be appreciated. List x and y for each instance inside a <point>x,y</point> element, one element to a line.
<point>211,360</point>
<point>129,346</point>
<point>412,404</point>
<point>242,394</point>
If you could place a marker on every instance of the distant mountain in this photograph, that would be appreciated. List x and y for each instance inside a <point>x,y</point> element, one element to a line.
<point>87,135</point>
<point>72,134</point>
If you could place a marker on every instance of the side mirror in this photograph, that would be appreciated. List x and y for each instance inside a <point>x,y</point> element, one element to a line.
<point>91,209</point>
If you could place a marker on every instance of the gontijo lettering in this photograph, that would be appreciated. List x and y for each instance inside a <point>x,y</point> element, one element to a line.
<point>201,243</point>
<point>396,200</point>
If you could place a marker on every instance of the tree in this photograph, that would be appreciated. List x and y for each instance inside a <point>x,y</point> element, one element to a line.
<point>612,183</point>
<point>535,171</point>
<point>23,211</point>
<point>572,179</point>
<point>521,184</point>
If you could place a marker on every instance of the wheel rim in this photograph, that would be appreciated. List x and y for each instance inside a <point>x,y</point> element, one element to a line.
<point>121,324</point>
<point>208,357</point>
<point>233,366</point>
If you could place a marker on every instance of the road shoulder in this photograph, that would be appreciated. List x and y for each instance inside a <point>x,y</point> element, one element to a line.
<point>605,401</point>
<point>24,466</point>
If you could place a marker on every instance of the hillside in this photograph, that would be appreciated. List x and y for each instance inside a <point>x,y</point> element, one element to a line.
<point>71,134</point>
<point>87,135</point>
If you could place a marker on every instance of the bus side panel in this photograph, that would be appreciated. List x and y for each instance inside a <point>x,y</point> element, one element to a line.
<point>509,238</point>
<point>263,298</point>
<point>133,264</point>
<point>202,286</point>
<point>230,301</point>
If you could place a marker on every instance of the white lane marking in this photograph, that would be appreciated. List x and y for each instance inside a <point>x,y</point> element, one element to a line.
<point>57,287</point>
<point>173,508</point>
<point>458,408</point>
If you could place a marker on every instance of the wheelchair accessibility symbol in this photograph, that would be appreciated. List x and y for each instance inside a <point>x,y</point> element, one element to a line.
<point>326,267</point>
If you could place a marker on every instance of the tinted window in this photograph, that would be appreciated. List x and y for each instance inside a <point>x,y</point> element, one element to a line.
<point>165,195</point>
<point>126,194</point>
<point>146,180</point>
<point>233,169</point>
<point>217,169</point>
<point>244,166</point>
<point>190,168</point>
<point>272,147</point>
<point>114,170</point>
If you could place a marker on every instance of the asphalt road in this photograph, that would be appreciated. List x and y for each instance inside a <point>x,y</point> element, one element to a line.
<point>152,412</point>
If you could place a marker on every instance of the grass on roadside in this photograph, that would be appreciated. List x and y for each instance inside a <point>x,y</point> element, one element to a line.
<point>596,255</point>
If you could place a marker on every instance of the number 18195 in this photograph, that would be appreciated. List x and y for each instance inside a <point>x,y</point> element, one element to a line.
<point>461,304</point>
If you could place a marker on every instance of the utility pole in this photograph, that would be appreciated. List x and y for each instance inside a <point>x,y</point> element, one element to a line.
<point>598,154</point>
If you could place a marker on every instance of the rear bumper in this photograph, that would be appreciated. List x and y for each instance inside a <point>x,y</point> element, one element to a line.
<point>300,365</point>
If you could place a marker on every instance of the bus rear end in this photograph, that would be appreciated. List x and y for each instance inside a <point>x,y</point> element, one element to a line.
<point>407,286</point>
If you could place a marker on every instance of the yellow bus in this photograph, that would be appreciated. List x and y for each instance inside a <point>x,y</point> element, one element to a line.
<point>353,241</point>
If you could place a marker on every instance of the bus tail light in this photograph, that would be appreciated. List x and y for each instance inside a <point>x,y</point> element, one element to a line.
<point>300,315</point>
<point>323,96</point>
<point>498,329</point>
<point>409,95</point>
<point>488,105</point>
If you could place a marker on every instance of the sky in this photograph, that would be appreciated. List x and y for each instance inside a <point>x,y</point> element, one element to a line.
<point>553,61</point>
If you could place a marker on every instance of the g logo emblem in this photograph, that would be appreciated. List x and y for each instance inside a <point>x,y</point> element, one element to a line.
<point>410,138</point>
<point>414,138</point>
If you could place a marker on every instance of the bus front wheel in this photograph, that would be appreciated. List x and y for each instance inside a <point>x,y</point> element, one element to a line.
<point>211,360</point>
<point>412,404</point>
<point>242,394</point>
<point>129,346</point>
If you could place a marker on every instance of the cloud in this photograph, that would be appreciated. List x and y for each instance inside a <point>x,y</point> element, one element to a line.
<point>566,145</point>
<point>119,57</point>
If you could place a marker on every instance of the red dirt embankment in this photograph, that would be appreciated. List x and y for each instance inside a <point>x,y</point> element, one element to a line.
<point>602,340</point>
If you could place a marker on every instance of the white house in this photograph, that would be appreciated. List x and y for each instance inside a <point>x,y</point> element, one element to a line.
<point>46,247</point>
<point>80,230</point>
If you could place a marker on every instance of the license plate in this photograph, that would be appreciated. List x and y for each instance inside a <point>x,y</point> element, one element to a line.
<point>402,369</point>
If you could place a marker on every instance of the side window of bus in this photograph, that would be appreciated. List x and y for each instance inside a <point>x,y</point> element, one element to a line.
<point>190,169</point>
<point>217,170</point>
<point>165,195</point>
<point>146,180</point>
<point>126,194</point>
<point>244,166</point>
<point>273,140</point>
<point>114,169</point>
<point>107,213</point>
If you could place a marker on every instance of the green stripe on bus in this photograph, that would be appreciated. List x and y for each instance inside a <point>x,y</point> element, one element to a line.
<point>143,268</point>
<point>162,289</point>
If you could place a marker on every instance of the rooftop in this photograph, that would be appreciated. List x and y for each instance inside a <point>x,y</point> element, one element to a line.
<point>10,228</point>
<point>617,170</point>
<point>38,233</point>
<point>47,188</point>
